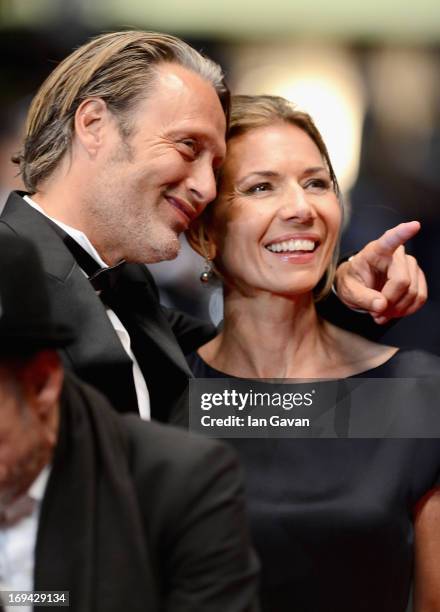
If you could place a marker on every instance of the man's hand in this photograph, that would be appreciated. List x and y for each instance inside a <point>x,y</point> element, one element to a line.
<point>382,279</point>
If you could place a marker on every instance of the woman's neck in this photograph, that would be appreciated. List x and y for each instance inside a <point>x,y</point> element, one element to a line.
<point>272,336</point>
<point>265,335</point>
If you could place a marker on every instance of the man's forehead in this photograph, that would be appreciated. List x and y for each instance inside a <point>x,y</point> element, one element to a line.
<point>177,79</point>
<point>181,89</point>
<point>183,105</point>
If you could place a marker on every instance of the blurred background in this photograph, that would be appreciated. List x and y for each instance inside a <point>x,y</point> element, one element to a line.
<point>367,72</point>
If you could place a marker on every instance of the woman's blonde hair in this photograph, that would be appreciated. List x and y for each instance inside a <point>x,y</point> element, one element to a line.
<point>249,113</point>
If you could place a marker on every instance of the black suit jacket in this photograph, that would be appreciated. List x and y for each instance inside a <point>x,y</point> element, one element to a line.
<point>141,517</point>
<point>97,355</point>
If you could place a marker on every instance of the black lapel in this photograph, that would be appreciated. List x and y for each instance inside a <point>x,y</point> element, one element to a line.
<point>138,292</point>
<point>154,344</point>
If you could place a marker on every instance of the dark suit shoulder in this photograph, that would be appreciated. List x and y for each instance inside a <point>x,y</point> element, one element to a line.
<point>171,447</point>
<point>190,331</point>
<point>176,468</point>
<point>23,220</point>
<point>190,490</point>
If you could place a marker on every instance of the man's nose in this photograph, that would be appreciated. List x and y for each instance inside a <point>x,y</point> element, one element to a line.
<point>202,184</point>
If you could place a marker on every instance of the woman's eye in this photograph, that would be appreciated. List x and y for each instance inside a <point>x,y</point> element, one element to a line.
<point>259,188</point>
<point>318,184</point>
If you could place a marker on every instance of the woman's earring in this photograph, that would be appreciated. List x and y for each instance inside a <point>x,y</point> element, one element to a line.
<point>208,272</point>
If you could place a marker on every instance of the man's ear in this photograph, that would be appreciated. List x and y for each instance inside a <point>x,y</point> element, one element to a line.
<point>91,118</point>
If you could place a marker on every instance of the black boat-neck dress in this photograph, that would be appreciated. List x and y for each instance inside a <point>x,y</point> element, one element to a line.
<point>332,519</point>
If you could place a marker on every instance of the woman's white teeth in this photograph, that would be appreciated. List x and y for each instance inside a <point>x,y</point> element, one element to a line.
<point>291,245</point>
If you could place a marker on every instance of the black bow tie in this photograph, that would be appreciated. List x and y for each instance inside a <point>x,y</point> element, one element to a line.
<point>102,279</point>
<point>106,279</point>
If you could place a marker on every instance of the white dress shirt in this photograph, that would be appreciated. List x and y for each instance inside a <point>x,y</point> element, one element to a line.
<point>143,397</point>
<point>17,546</point>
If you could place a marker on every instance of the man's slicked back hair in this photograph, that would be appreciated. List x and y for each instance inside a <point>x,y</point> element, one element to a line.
<point>119,68</point>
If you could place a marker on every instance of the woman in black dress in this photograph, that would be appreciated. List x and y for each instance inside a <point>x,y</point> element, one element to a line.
<point>341,525</point>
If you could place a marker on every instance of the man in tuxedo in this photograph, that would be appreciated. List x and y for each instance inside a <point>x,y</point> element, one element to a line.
<point>121,513</point>
<point>123,142</point>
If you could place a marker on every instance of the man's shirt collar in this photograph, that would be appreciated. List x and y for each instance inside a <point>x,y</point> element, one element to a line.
<point>76,234</point>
